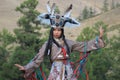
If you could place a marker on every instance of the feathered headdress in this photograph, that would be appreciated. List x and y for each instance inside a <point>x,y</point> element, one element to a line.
<point>57,20</point>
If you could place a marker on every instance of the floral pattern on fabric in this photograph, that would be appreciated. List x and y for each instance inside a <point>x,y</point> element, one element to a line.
<point>61,71</point>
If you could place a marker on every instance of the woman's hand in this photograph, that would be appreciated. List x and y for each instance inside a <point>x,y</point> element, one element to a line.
<point>101,30</point>
<point>20,67</point>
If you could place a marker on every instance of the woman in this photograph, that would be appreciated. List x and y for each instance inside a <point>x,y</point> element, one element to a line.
<point>60,48</point>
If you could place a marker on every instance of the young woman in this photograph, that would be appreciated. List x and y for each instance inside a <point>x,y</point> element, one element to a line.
<point>60,48</point>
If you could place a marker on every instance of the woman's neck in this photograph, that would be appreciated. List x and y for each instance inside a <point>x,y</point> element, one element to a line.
<point>59,41</point>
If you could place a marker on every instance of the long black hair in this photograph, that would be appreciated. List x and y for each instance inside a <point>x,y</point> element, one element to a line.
<point>52,40</point>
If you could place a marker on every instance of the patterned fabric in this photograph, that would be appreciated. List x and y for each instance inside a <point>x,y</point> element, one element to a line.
<point>56,51</point>
<point>61,71</point>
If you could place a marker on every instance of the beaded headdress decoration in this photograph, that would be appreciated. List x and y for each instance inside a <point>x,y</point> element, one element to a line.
<point>57,20</point>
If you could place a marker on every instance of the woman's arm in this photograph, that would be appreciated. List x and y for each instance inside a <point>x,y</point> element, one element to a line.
<point>89,45</point>
<point>36,61</point>
<point>30,67</point>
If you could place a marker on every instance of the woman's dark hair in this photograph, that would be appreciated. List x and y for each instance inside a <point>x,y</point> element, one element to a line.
<point>52,40</point>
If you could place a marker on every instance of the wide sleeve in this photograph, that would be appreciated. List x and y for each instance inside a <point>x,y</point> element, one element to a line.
<point>88,45</point>
<point>35,62</point>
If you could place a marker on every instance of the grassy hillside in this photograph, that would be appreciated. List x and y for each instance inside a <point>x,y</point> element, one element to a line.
<point>9,17</point>
<point>111,18</point>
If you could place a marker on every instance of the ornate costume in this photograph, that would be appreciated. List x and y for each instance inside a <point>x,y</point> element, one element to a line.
<point>60,49</point>
<point>58,66</point>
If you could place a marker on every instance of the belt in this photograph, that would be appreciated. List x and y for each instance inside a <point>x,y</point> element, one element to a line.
<point>62,60</point>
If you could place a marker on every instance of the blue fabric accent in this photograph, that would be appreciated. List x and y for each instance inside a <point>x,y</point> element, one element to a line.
<point>38,74</point>
<point>85,48</point>
<point>97,41</point>
<point>81,68</point>
<point>82,62</point>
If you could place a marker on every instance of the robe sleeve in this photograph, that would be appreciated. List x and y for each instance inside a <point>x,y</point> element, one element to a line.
<point>35,62</point>
<point>88,45</point>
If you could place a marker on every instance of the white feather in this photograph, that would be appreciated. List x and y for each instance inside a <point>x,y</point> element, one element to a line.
<point>48,8</point>
<point>42,19</point>
<point>71,25</point>
<point>67,14</point>
<point>53,9</point>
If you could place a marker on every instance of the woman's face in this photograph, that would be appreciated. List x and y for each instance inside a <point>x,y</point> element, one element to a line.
<point>57,32</point>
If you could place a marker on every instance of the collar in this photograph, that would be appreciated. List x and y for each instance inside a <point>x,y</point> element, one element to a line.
<point>59,41</point>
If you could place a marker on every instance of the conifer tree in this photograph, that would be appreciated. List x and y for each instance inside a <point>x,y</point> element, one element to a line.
<point>85,13</point>
<point>28,40</point>
<point>105,6</point>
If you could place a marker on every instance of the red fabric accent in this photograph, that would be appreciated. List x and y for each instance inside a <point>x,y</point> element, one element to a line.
<point>32,77</point>
<point>87,76</point>
<point>43,74</point>
<point>64,52</point>
<point>75,71</point>
<point>77,67</point>
<point>64,55</point>
<point>81,55</point>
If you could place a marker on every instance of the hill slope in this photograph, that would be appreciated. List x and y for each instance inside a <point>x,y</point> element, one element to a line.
<point>9,17</point>
<point>110,18</point>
